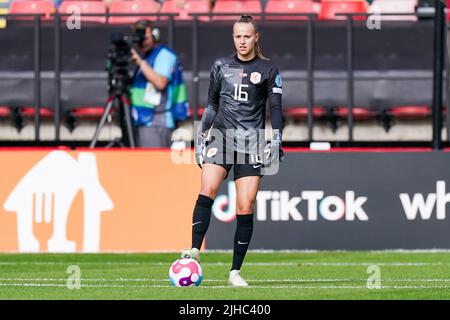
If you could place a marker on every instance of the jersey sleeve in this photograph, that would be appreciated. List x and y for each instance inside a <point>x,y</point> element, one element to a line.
<point>213,98</point>
<point>165,63</point>
<point>214,86</point>
<point>275,90</point>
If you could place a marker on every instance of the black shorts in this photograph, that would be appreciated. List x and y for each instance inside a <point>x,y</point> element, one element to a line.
<point>244,165</point>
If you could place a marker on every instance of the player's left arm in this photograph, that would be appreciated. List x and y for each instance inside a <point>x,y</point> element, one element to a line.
<point>275,91</point>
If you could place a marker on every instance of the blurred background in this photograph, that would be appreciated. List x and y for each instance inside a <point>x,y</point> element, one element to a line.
<point>348,79</point>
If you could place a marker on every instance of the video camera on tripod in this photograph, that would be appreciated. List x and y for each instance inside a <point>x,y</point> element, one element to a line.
<point>119,58</point>
<point>120,76</point>
<point>119,81</point>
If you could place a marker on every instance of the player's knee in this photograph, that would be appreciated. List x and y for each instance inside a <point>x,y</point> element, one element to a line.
<point>208,192</point>
<point>245,207</point>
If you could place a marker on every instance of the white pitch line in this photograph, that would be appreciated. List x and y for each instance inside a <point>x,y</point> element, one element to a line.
<point>221,287</point>
<point>224,280</point>
<point>394,264</point>
<point>255,264</point>
<point>166,280</point>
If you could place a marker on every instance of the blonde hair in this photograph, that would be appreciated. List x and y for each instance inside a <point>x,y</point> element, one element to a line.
<point>249,19</point>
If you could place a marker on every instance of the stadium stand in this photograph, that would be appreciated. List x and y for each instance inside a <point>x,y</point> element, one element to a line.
<point>329,8</point>
<point>237,7</point>
<point>74,116</point>
<point>5,111</point>
<point>301,113</point>
<point>291,7</point>
<point>30,112</point>
<point>374,98</point>
<point>189,7</point>
<point>392,116</point>
<point>84,7</point>
<point>358,113</point>
<point>4,9</point>
<point>133,6</point>
<point>21,116</point>
<point>410,112</point>
<point>32,7</point>
<point>394,6</point>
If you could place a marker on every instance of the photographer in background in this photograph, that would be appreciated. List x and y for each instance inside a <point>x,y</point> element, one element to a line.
<point>158,92</point>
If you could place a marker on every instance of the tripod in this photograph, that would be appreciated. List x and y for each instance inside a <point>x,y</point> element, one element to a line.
<point>119,98</point>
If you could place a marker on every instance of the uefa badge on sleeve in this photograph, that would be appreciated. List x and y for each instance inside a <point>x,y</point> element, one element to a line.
<point>278,81</point>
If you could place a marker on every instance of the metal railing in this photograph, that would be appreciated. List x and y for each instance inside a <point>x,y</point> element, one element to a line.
<point>351,62</point>
<point>37,66</point>
<point>310,65</point>
<point>57,59</point>
<point>310,78</point>
<point>58,44</point>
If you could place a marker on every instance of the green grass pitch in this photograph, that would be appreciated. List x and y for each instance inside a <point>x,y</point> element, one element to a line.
<point>271,275</point>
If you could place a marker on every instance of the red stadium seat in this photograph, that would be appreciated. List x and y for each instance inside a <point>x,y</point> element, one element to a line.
<point>410,112</point>
<point>394,6</point>
<point>5,111</point>
<point>193,6</point>
<point>329,8</point>
<point>134,6</point>
<point>238,7</point>
<point>32,7</point>
<point>301,113</point>
<point>83,7</point>
<point>31,111</point>
<point>448,7</point>
<point>77,115</point>
<point>291,7</point>
<point>358,113</point>
<point>88,112</point>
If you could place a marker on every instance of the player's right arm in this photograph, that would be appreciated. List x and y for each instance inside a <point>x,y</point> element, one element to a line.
<point>210,113</point>
<point>213,98</point>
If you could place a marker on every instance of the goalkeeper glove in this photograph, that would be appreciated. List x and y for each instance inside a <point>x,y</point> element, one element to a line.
<point>273,151</point>
<point>200,149</point>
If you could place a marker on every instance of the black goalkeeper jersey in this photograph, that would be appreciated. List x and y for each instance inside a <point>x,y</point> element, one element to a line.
<point>238,93</point>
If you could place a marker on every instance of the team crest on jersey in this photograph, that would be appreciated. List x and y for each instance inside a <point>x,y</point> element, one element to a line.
<point>255,77</point>
<point>211,152</point>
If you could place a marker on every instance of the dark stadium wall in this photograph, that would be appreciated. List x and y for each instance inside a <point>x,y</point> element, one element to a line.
<point>346,201</point>
<point>390,69</point>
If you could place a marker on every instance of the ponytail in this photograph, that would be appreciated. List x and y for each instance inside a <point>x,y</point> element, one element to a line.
<point>258,51</point>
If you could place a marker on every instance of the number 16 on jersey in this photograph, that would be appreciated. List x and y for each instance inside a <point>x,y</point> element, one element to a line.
<point>239,93</point>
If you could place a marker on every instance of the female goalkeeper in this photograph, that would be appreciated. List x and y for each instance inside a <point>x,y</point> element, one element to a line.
<point>232,135</point>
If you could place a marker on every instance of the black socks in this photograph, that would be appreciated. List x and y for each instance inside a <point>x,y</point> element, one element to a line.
<point>200,220</point>
<point>242,237</point>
